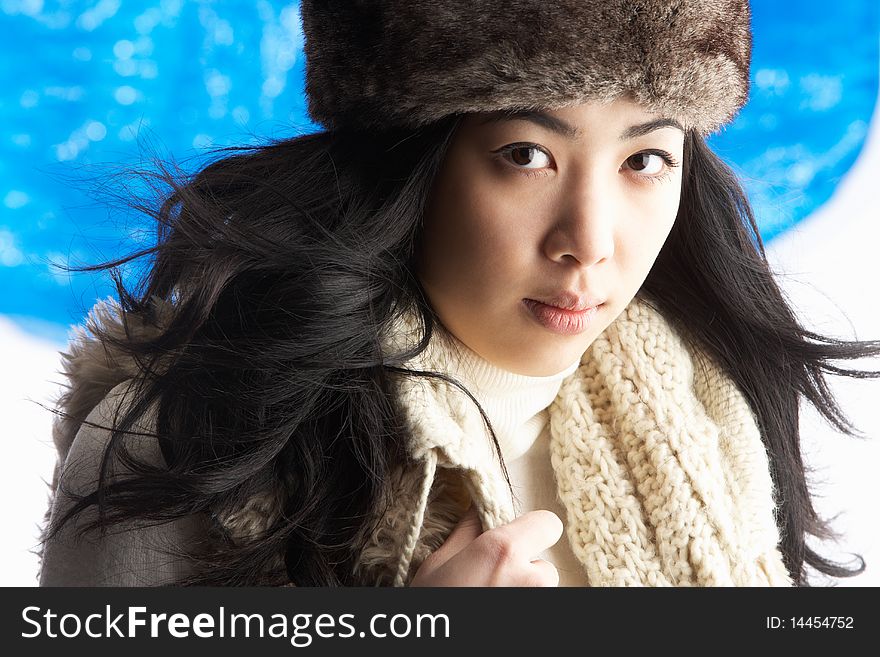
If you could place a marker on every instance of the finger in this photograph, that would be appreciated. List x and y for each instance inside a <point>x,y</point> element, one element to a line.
<point>532,532</point>
<point>543,573</point>
<point>469,527</point>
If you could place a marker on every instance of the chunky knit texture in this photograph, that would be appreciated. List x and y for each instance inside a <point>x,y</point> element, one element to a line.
<point>661,466</point>
<point>656,454</point>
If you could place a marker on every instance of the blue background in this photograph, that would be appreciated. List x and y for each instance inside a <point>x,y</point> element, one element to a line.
<point>87,84</point>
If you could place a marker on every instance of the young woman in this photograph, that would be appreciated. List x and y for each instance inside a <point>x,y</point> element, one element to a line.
<point>506,321</point>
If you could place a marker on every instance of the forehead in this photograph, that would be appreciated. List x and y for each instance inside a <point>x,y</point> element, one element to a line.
<point>569,125</point>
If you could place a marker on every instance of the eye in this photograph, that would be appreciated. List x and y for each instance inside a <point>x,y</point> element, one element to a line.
<point>658,170</point>
<point>642,162</point>
<point>521,154</point>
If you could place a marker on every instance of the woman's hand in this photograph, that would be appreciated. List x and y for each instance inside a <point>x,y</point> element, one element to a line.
<point>499,557</point>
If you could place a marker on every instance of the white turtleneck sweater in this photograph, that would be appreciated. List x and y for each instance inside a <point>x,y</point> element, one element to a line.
<point>517,407</point>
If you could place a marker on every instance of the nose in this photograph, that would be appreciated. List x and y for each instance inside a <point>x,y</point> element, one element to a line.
<point>585,229</point>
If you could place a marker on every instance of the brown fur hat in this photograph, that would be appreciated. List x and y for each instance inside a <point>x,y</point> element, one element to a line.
<point>388,63</point>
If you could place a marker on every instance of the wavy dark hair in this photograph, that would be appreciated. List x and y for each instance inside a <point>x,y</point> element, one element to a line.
<point>285,262</point>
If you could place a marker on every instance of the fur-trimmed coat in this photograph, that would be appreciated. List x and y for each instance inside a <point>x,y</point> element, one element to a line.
<point>657,456</point>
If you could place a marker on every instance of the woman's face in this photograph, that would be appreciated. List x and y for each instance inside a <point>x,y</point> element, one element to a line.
<point>577,200</point>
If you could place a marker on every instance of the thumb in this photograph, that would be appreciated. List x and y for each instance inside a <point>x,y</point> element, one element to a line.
<point>469,527</point>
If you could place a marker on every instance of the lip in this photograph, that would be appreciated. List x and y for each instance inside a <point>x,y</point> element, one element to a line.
<point>568,300</point>
<point>560,320</point>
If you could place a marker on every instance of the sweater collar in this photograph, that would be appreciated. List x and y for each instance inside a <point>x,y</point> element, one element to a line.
<point>443,419</point>
<point>516,404</point>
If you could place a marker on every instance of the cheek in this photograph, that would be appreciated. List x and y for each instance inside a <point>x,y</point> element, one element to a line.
<point>470,234</point>
<point>645,235</point>
<point>655,209</point>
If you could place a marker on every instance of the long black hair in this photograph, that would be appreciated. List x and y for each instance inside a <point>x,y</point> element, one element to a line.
<point>286,262</point>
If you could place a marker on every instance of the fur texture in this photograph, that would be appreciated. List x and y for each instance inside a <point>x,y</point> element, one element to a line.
<point>93,369</point>
<point>373,63</point>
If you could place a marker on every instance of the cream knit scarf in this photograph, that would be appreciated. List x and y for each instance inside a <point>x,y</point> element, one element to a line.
<point>657,457</point>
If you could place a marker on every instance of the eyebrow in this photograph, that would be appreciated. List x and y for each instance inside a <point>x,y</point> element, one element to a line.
<point>557,125</point>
